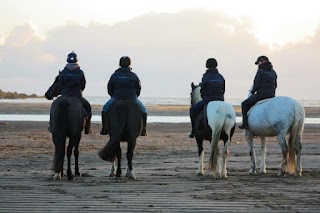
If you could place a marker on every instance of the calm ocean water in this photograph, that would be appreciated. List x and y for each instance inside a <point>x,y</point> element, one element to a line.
<point>148,101</point>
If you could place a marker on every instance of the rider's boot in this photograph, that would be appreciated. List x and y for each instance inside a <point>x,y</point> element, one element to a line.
<point>144,124</point>
<point>87,128</point>
<point>104,119</point>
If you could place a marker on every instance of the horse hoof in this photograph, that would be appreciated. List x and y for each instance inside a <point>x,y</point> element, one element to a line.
<point>132,178</point>
<point>77,174</point>
<point>111,174</point>
<point>56,176</point>
<point>199,173</point>
<point>70,177</point>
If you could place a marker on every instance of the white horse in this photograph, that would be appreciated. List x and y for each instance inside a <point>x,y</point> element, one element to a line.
<point>221,120</point>
<point>278,116</point>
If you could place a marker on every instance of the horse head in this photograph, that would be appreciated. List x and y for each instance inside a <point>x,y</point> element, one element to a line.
<point>54,90</point>
<point>195,95</point>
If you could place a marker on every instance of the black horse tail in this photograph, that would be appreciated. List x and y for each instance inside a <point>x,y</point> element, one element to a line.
<point>108,153</point>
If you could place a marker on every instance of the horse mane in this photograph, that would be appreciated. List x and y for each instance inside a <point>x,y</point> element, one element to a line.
<point>195,95</point>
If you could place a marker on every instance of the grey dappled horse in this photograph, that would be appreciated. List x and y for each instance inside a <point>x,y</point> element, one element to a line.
<point>66,121</point>
<point>278,116</point>
<point>124,124</point>
<point>217,121</point>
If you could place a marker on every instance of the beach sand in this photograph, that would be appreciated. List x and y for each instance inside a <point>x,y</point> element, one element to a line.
<point>165,164</point>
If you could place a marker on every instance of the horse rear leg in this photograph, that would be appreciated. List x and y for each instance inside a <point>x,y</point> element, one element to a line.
<point>249,139</point>
<point>131,147</point>
<point>59,143</point>
<point>225,157</point>
<point>284,148</point>
<point>118,156</point>
<point>69,153</point>
<point>200,170</point>
<point>263,168</point>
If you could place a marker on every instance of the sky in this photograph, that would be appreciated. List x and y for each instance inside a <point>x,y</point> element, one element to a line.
<point>168,42</point>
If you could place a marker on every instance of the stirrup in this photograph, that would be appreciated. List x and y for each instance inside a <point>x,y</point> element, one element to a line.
<point>87,130</point>
<point>103,132</point>
<point>143,132</point>
<point>191,134</point>
<point>243,126</point>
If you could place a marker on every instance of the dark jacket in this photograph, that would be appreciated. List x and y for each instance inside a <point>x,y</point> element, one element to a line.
<point>124,84</point>
<point>72,80</point>
<point>212,85</point>
<point>265,81</point>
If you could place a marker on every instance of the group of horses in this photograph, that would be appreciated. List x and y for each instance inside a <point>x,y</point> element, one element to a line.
<point>279,116</point>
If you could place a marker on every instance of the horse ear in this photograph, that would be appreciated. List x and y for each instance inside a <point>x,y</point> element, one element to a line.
<point>192,85</point>
<point>200,84</point>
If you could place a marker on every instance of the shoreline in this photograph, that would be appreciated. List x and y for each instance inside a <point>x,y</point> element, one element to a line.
<point>154,110</point>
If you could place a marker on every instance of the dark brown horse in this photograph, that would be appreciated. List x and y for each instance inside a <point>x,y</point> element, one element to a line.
<point>66,121</point>
<point>124,124</point>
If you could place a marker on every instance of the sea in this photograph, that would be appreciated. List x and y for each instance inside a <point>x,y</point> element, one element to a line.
<point>147,101</point>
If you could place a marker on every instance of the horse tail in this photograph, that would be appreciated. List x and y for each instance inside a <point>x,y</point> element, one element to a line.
<point>108,152</point>
<point>216,128</point>
<point>295,137</point>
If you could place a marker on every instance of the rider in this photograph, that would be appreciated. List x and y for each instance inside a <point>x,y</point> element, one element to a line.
<point>264,86</point>
<point>212,89</point>
<point>124,84</point>
<point>71,83</point>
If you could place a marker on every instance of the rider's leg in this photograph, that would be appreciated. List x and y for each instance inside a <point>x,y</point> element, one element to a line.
<point>87,108</point>
<point>104,118</point>
<point>245,106</point>
<point>144,117</point>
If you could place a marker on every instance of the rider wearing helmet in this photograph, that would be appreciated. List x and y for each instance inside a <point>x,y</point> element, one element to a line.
<point>71,83</point>
<point>212,89</point>
<point>264,86</point>
<point>124,84</point>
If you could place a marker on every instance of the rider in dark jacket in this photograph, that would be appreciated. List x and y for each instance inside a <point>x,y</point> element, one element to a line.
<point>212,89</point>
<point>124,84</point>
<point>264,86</point>
<point>72,82</point>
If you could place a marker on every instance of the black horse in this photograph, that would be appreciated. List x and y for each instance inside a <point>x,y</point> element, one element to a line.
<point>124,124</point>
<point>67,119</point>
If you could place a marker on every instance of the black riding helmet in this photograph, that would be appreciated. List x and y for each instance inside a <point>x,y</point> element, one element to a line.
<point>125,61</point>
<point>211,63</point>
<point>72,57</point>
<point>261,58</point>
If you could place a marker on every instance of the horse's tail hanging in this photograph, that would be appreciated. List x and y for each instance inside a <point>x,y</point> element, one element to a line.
<point>108,153</point>
<point>295,136</point>
<point>216,128</point>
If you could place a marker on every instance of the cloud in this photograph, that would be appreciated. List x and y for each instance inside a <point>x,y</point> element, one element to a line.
<point>168,52</point>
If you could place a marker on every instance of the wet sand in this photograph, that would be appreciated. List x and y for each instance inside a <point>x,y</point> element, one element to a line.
<point>165,163</point>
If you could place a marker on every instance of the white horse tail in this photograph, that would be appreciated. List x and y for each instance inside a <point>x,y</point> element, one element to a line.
<point>295,138</point>
<point>216,128</point>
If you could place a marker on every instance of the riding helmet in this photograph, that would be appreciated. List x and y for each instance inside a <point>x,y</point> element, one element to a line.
<point>125,61</point>
<point>72,57</point>
<point>261,58</point>
<point>211,63</point>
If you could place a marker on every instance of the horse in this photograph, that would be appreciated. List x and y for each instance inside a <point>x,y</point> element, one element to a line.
<point>277,117</point>
<point>216,122</point>
<point>67,120</point>
<point>124,124</point>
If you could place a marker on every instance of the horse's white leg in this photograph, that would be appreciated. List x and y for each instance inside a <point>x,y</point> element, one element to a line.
<point>284,148</point>
<point>298,153</point>
<point>225,158</point>
<point>200,164</point>
<point>113,170</point>
<point>216,169</point>
<point>263,169</point>
<point>249,138</point>
<point>130,174</point>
